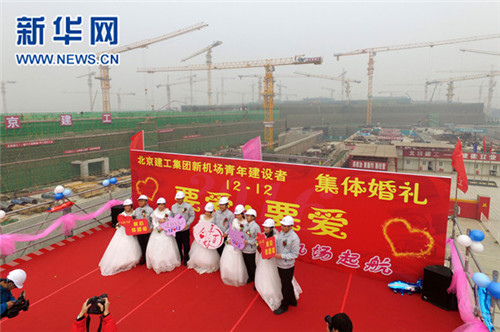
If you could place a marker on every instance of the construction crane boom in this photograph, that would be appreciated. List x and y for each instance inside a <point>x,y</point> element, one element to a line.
<point>207,49</point>
<point>268,93</point>
<point>104,70</point>
<point>372,51</point>
<point>345,82</point>
<point>479,51</point>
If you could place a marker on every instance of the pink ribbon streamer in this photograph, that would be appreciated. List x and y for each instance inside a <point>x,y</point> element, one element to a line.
<point>67,223</point>
<point>460,286</point>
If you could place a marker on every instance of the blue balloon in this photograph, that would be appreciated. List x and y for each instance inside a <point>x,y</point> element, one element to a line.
<point>66,192</point>
<point>494,289</point>
<point>105,183</point>
<point>476,235</point>
<point>113,180</point>
<point>58,196</point>
<point>481,279</point>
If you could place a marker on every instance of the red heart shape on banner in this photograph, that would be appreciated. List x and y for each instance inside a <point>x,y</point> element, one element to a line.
<point>407,241</point>
<point>148,187</point>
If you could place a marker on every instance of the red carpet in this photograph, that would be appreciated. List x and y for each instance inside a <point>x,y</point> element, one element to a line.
<point>59,280</point>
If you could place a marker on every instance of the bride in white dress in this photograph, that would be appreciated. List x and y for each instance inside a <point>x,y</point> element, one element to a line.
<point>201,259</point>
<point>162,254</point>
<point>123,251</point>
<point>267,279</point>
<point>232,266</point>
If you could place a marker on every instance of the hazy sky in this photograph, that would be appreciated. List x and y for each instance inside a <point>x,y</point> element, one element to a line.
<point>256,30</point>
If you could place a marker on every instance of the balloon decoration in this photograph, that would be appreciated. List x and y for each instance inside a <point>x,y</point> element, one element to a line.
<point>113,180</point>
<point>476,235</point>
<point>464,240</point>
<point>481,279</point>
<point>2,214</point>
<point>58,196</point>
<point>58,189</point>
<point>66,192</point>
<point>477,247</point>
<point>105,183</point>
<point>494,289</point>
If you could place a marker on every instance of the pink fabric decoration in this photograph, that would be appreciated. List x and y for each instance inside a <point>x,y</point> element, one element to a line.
<point>252,149</point>
<point>67,223</point>
<point>460,286</point>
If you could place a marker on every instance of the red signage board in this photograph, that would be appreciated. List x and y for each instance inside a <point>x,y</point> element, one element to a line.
<point>31,143</point>
<point>133,226</point>
<point>94,148</point>
<point>367,164</point>
<point>447,155</point>
<point>12,122</point>
<point>66,119</point>
<point>382,224</point>
<point>106,118</point>
<point>267,246</point>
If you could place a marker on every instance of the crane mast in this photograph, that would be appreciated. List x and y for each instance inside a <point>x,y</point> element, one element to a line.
<point>104,70</point>
<point>268,93</point>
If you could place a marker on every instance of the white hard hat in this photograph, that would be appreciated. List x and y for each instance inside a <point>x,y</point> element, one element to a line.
<point>179,195</point>
<point>269,223</point>
<point>161,200</point>
<point>209,207</point>
<point>251,212</point>
<point>143,197</point>
<point>128,201</point>
<point>287,221</point>
<point>223,200</point>
<point>18,277</point>
<point>239,209</point>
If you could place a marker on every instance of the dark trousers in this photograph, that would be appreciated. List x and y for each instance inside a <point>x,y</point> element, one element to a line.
<point>221,248</point>
<point>250,264</point>
<point>143,242</point>
<point>182,239</point>
<point>286,276</point>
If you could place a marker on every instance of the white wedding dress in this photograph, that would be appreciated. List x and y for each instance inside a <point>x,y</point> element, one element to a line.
<point>233,270</point>
<point>162,253</point>
<point>122,254</point>
<point>201,259</point>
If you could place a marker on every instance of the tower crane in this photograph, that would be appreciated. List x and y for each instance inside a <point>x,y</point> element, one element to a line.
<point>207,49</point>
<point>260,79</point>
<point>329,89</point>
<point>222,78</point>
<point>89,82</point>
<point>374,50</point>
<point>191,78</point>
<point>346,83</point>
<point>104,70</point>
<point>4,92</point>
<point>119,95</point>
<point>268,94</point>
<point>450,81</point>
<point>168,85</point>
<point>280,91</point>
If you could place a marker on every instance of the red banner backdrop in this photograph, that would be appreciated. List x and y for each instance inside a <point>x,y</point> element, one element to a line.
<point>379,224</point>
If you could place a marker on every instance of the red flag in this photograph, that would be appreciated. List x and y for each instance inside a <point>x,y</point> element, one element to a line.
<point>484,143</point>
<point>137,141</point>
<point>457,161</point>
<point>491,147</point>
<point>252,149</point>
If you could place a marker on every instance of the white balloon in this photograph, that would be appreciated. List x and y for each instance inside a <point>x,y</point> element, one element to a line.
<point>477,246</point>
<point>59,189</point>
<point>464,240</point>
<point>2,214</point>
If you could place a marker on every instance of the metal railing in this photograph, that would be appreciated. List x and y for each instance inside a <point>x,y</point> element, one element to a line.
<point>465,261</point>
<point>51,217</point>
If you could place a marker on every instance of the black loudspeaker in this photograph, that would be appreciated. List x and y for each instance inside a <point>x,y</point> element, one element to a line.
<point>115,211</point>
<point>437,279</point>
